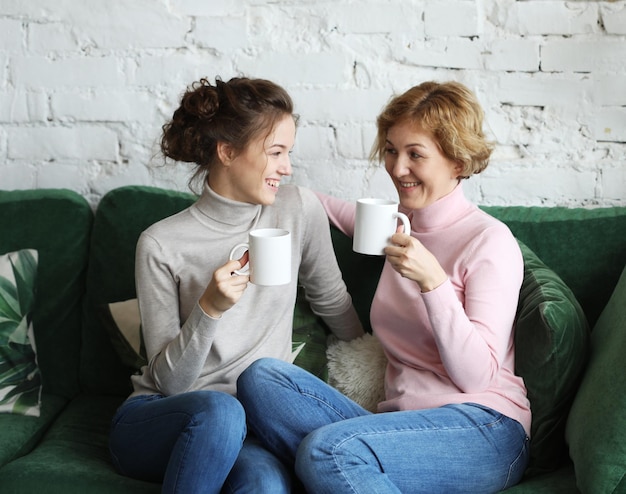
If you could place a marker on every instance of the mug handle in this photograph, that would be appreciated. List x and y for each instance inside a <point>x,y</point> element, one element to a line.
<point>246,269</point>
<point>405,221</point>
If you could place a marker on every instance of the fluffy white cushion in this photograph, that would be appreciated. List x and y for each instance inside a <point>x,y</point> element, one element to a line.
<point>357,369</point>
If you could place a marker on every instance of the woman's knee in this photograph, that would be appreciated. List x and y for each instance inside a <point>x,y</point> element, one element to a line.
<point>212,406</point>
<point>258,374</point>
<point>318,461</point>
<point>312,453</point>
<point>259,370</point>
<point>214,422</point>
<point>331,447</point>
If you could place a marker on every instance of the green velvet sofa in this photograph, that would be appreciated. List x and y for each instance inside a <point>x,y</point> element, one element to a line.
<point>86,262</point>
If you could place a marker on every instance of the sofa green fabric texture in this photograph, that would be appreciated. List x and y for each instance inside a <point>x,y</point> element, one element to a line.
<point>562,237</point>
<point>56,224</point>
<point>120,219</point>
<point>551,351</point>
<point>596,427</point>
<point>86,263</point>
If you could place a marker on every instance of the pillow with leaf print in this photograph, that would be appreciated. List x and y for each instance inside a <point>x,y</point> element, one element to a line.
<point>20,378</point>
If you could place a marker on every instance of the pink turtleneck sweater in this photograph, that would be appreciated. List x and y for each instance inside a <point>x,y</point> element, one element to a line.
<point>455,343</point>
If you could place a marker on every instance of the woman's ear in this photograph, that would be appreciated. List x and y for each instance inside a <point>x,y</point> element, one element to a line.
<point>225,152</point>
<point>457,170</point>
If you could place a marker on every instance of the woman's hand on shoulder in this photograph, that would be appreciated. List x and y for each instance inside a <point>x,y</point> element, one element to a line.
<point>225,288</point>
<point>413,261</point>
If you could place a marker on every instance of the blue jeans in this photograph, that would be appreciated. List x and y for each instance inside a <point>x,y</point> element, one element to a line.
<point>338,447</point>
<point>193,442</point>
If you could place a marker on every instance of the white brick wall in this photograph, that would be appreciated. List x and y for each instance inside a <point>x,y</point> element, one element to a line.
<point>86,85</point>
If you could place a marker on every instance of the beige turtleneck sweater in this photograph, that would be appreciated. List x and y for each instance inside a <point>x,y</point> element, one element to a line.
<point>188,350</point>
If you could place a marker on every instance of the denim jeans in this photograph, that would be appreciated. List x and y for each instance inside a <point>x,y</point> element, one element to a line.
<point>338,447</point>
<point>193,443</point>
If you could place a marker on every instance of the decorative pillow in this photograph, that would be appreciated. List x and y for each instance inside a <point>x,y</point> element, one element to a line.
<point>20,378</point>
<point>551,350</point>
<point>123,324</point>
<point>596,426</point>
<point>357,369</point>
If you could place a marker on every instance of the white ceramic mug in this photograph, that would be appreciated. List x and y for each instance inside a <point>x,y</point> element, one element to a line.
<point>269,262</point>
<point>376,221</point>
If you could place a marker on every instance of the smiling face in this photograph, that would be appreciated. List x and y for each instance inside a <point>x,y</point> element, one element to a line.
<point>421,173</point>
<point>254,175</point>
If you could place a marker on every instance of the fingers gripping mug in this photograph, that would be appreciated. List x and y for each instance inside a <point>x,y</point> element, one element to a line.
<point>376,221</point>
<point>270,256</point>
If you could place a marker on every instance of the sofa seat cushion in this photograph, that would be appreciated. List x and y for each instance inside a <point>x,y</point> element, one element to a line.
<point>73,457</point>
<point>561,481</point>
<point>596,426</point>
<point>20,433</point>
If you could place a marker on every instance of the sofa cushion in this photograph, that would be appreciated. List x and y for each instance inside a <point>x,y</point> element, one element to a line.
<point>21,433</point>
<point>596,426</point>
<point>20,378</point>
<point>121,216</point>
<point>57,224</point>
<point>581,245</point>
<point>561,481</point>
<point>73,457</point>
<point>551,350</point>
<point>357,369</point>
<point>123,324</point>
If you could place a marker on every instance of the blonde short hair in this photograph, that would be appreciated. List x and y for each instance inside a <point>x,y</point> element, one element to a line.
<point>450,112</point>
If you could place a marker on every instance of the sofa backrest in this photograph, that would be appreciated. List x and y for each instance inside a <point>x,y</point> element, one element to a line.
<point>57,223</point>
<point>360,273</point>
<point>121,216</point>
<point>585,247</point>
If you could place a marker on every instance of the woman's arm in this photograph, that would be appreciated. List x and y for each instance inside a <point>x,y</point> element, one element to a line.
<point>475,337</point>
<point>340,213</point>
<point>176,352</point>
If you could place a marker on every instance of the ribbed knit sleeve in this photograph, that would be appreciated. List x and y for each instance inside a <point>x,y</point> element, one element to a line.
<point>176,352</point>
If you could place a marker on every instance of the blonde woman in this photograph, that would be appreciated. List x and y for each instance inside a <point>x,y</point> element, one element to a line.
<point>455,417</point>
